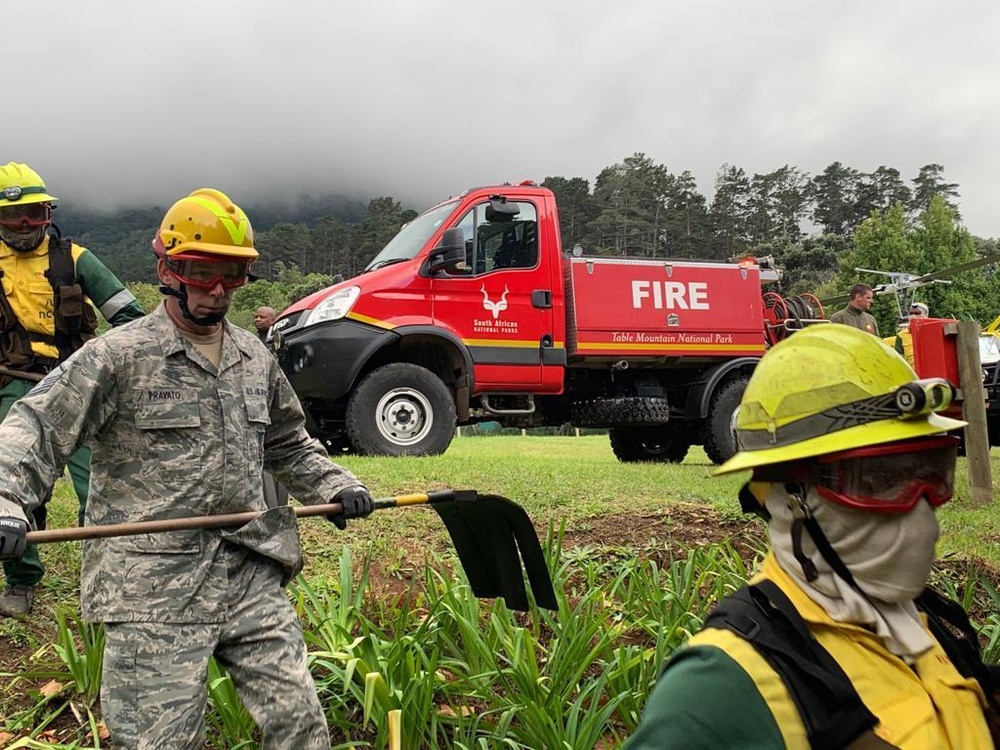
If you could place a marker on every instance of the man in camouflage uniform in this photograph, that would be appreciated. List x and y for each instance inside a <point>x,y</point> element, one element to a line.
<point>183,411</point>
<point>49,284</point>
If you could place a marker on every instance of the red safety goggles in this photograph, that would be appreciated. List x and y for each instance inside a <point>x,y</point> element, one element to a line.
<point>28,216</point>
<point>207,274</point>
<point>891,477</point>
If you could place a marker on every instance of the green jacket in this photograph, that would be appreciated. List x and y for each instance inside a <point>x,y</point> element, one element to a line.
<point>855,318</point>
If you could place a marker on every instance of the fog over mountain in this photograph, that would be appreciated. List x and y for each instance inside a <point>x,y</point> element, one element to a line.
<point>121,102</point>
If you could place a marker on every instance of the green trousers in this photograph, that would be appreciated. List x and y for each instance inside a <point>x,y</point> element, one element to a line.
<point>28,570</point>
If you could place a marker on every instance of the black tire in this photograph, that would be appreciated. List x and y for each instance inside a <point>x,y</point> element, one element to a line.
<point>720,442</point>
<point>668,443</point>
<point>400,409</point>
<point>620,411</point>
<point>992,429</point>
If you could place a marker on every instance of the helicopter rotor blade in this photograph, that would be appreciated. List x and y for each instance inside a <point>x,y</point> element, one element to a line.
<point>902,282</point>
<point>960,268</point>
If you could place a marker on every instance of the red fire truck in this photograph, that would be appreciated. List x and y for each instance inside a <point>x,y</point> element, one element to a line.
<point>474,313</point>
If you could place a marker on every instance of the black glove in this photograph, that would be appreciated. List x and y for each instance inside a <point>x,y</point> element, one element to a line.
<point>357,502</point>
<point>13,539</point>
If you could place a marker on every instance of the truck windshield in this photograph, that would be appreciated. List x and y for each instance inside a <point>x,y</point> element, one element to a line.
<point>413,236</point>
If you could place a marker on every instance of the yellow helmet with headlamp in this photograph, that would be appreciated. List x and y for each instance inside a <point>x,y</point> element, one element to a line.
<point>25,207</point>
<point>831,388</point>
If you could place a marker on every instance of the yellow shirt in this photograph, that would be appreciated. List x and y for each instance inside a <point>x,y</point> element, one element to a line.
<point>902,342</point>
<point>929,706</point>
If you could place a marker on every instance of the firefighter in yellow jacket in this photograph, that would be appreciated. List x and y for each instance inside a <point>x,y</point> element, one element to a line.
<point>836,642</point>
<point>46,314</point>
<point>902,342</point>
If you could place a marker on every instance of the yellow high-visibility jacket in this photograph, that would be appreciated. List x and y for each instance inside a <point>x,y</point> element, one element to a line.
<point>718,691</point>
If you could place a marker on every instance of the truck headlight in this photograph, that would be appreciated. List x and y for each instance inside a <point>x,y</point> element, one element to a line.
<point>334,307</point>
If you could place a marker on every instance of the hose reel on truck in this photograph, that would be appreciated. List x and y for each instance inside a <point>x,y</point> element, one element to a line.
<point>784,315</point>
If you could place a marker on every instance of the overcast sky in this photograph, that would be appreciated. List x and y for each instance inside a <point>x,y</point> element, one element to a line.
<point>119,101</point>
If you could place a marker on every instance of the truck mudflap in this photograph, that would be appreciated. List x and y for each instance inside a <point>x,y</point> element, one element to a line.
<point>324,361</point>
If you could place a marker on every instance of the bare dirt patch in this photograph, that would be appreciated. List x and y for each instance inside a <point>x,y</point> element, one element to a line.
<point>659,535</point>
<point>682,526</point>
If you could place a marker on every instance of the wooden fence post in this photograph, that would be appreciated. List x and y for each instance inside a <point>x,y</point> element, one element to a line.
<point>977,444</point>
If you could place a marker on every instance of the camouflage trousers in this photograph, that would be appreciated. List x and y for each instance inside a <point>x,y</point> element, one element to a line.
<point>154,693</point>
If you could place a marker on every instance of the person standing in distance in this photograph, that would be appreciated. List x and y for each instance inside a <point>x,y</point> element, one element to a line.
<point>856,314</point>
<point>262,320</point>
<point>46,314</point>
<point>902,342</point>
<point>183,411</point>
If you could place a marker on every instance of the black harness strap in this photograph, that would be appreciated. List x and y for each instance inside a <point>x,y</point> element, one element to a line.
<point>950,626</point>
<point>73,319</point>
<point>831,709</point>
<point>67,296</point>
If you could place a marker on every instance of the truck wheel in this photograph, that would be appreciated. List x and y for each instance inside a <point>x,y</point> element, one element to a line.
<point>666,443</point>
<point>720,442</point>
<point>401,409</point>
<point>992,430</point>
<point>620,410</point>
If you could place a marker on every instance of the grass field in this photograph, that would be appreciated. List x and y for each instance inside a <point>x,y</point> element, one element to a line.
<point>571,479</point>
<point>645,548</point>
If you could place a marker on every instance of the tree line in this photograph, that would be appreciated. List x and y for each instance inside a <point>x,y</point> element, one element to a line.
<point>817,227</point>
<point>638,207</point>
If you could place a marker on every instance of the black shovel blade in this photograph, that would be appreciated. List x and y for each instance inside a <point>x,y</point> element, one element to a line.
<point>530,548</point>
<point>491,534</point>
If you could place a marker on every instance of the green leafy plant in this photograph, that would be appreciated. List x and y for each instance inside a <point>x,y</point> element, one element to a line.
<point>80,646</point>
<point>229,725</point>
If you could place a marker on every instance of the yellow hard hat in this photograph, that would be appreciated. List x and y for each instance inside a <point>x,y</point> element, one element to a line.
<point>829,388</point>
<point>20,184</point>
<point>206,222</point>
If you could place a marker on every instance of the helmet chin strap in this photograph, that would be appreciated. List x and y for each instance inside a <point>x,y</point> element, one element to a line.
<point>181,294</point>
<point>804,520</point>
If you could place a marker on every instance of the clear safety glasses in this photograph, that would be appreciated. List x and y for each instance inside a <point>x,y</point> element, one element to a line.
<point>890,478</point>
<point>207,274</point>
<point>28,216</point>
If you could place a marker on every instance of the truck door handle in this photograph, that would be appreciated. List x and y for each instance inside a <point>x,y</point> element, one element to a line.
<point>541,298</point>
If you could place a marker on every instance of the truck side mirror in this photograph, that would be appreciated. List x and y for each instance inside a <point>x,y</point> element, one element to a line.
<point>450,251</point>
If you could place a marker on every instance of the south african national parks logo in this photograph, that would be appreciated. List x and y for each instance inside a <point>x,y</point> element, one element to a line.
<point>494,307</point>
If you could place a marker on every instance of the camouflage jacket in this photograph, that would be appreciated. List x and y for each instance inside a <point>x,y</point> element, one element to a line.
<point>171,436</point>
